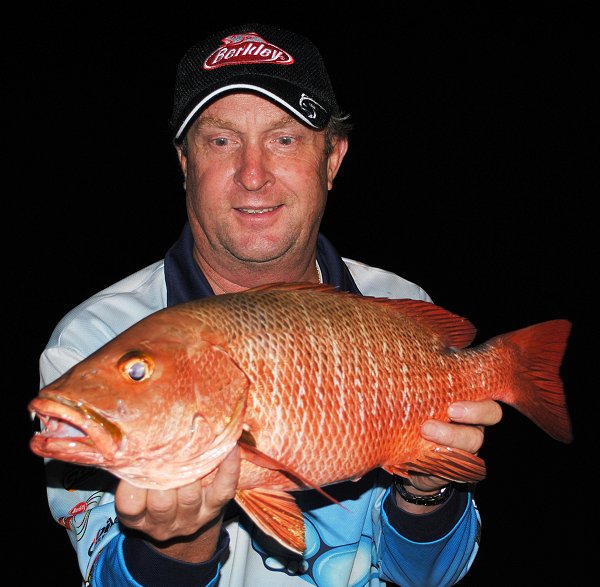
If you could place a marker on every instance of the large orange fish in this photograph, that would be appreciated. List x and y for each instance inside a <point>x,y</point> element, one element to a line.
<point>316,386</point>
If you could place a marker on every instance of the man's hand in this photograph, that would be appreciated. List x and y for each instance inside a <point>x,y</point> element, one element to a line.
<point>183,523</point>
<point>465,432</point>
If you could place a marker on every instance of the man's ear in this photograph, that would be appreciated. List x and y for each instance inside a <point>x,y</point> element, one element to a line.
<point>334,161</point>
<point>182,162</point>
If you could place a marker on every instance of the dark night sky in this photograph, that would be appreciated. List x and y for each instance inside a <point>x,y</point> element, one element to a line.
<point>469,173</point>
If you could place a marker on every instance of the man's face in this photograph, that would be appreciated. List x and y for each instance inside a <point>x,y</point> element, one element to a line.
<point>256,182</point>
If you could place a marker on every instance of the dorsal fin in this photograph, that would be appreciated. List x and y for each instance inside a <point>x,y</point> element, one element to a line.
<point>454,330</point>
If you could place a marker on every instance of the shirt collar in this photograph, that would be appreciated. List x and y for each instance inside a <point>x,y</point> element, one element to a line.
<point>186,281</point>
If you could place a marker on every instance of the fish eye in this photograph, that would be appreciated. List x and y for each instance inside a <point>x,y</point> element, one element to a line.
<point>136,366</point>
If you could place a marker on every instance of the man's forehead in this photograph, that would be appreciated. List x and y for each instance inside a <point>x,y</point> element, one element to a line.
<point>244,106</point>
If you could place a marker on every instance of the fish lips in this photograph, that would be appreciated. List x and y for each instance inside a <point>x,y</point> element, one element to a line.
<point>72,432</point>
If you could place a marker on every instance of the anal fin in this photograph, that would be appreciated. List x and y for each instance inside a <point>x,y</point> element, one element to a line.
<point>276,514</point>
<point>449,463</point>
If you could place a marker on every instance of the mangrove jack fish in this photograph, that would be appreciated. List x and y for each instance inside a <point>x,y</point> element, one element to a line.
<point>316,386</point>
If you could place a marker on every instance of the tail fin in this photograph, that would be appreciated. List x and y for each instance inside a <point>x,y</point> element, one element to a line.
<point>539,393</point>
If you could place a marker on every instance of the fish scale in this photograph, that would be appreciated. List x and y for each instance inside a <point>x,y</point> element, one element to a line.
<point>316,386</point>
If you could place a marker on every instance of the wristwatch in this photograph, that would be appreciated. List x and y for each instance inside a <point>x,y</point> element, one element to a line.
<point>436,499</point>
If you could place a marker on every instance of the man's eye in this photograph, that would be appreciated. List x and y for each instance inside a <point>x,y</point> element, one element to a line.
<point>285,140</point>
<point>220,142</point>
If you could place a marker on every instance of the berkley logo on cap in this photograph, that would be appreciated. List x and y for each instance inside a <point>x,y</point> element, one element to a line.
<point>246,48</point>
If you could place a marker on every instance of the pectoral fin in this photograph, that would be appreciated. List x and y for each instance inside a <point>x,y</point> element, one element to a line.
<point>251,454</point>
<point>449,463</point>
<point>276,514</point>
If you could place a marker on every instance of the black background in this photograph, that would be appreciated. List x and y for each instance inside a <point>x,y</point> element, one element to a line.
<point>469,173</point>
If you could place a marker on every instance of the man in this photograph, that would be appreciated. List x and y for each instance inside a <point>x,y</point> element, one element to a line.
<point>260,139</point>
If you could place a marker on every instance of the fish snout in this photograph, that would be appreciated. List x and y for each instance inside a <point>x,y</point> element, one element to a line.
<point>73,432</point>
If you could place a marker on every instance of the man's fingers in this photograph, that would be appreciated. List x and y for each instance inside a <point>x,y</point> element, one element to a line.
<point>130,500</point>
<point>481,413</point>
<point>467,427</point>
<point>464,437</point>
<point>161,505</point>
<point>225,482</point>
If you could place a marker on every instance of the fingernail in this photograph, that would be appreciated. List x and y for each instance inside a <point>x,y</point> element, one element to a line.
<point>428,428</point>
<point>456,412</point>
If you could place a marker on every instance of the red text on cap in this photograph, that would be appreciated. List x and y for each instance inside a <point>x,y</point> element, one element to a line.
<point>246,48</point>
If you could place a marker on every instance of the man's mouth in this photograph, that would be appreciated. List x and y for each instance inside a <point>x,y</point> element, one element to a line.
<point>257,210</point>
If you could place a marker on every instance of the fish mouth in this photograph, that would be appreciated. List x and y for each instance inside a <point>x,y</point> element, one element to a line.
<point>73,432</point>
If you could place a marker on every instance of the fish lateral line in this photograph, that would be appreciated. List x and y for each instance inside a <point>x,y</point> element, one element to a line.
<point>256,457</point>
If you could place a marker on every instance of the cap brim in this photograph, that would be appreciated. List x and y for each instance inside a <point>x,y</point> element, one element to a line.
<point>289,97</point>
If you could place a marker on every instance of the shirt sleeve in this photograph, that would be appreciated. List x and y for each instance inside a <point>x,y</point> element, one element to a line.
<point>425,560</point>
<point>81,499</point>
<point>132,562</point>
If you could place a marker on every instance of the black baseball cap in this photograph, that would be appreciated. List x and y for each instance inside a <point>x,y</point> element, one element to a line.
<point>281,65</point>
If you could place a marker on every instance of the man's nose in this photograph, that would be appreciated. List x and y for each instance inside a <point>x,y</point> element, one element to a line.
<point>254,169</point>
